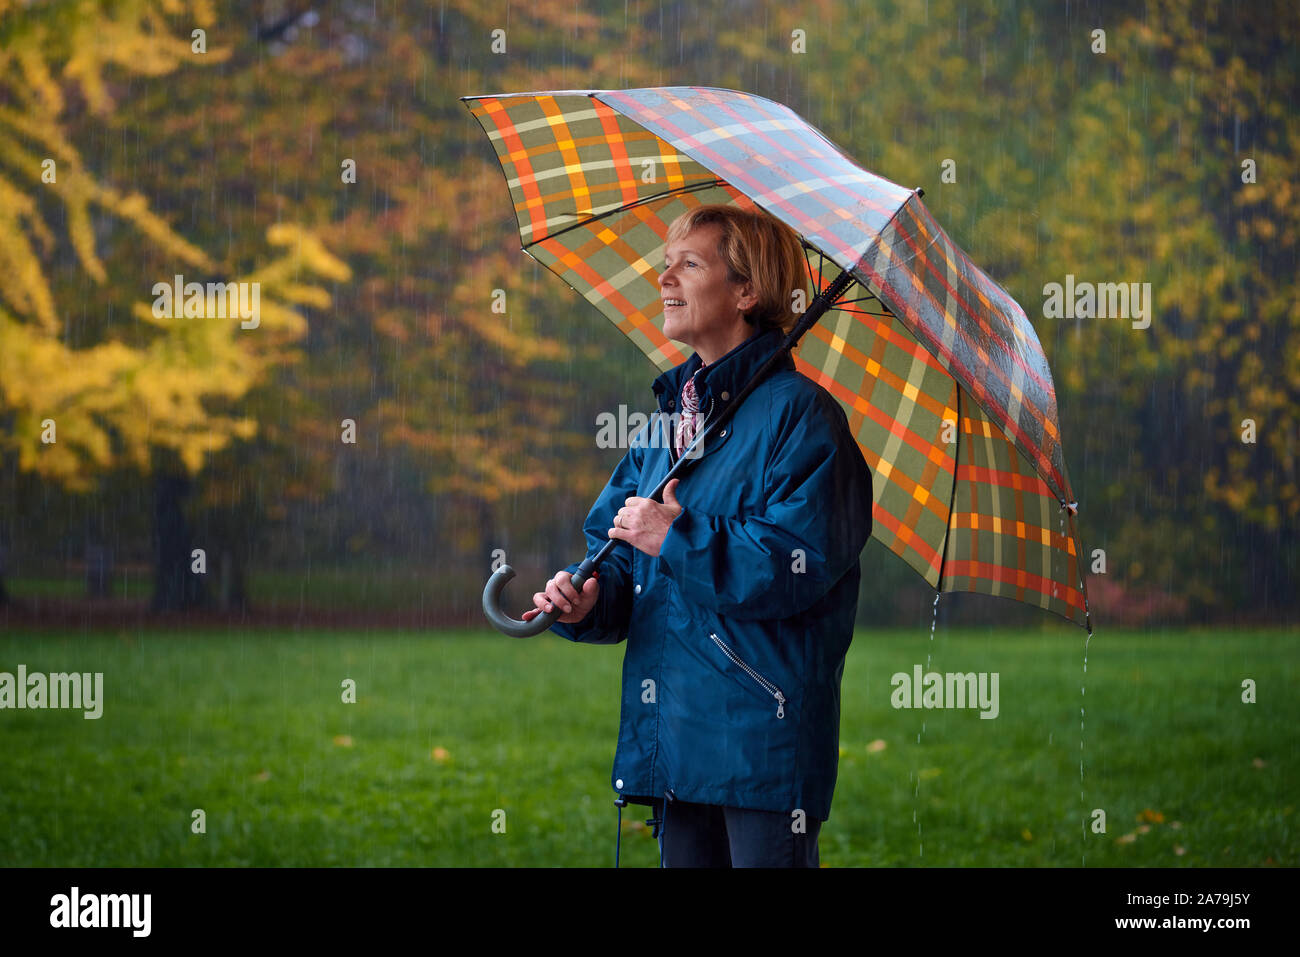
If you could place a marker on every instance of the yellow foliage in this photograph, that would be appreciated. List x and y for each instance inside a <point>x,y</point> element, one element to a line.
<point>79,411</point>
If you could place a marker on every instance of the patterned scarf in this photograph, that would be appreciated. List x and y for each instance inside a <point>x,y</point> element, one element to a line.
<point>688,423</point>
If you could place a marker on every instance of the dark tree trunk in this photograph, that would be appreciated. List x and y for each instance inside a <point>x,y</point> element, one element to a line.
<point>176,587</point>
<point>99,571</point>
<point>232,594</point>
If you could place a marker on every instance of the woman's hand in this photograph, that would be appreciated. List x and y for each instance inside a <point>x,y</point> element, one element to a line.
<point>561,593</point>
<point>643,523</point>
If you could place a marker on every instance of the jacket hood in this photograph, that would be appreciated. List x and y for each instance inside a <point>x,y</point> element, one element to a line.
<point>724,379</point>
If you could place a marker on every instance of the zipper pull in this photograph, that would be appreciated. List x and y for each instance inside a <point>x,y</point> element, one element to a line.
<point>780,705</point>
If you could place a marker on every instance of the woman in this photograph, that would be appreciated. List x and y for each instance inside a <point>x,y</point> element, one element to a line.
<point>736,597</point>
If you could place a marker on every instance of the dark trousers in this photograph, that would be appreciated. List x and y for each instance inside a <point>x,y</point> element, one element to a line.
<point>706,835</point>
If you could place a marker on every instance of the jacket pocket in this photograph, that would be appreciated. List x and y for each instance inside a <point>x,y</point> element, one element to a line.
<point>762,682</point>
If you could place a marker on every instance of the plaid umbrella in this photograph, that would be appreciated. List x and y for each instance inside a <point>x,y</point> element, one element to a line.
<point>942,377</point>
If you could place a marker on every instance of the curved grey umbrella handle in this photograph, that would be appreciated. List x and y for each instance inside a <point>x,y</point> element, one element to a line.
<point>515,627</point>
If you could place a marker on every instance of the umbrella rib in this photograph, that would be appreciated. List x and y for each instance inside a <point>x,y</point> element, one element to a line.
<point>865,312</point>
<point>839,303</point>
<point>626,206</point>
<point>952,496</point>
<point>820,260</point>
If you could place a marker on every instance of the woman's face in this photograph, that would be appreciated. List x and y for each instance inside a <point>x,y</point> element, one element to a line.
<point>710,316</point>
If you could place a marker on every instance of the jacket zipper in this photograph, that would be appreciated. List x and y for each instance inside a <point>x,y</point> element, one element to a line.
<point>770,688</point>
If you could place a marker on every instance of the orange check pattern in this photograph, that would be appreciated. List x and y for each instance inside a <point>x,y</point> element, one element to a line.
<point>942,376</point>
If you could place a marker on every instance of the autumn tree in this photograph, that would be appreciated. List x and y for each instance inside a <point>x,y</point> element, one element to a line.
<point>87,390</point>
<point>456,355</point>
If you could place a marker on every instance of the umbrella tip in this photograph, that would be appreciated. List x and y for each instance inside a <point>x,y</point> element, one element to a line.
<point>919,192</point>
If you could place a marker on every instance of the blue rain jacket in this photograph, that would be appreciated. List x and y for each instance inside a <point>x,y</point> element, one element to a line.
<point>737,631</point>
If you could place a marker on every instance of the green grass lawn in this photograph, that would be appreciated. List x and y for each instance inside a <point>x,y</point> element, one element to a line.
<point>250,727</point>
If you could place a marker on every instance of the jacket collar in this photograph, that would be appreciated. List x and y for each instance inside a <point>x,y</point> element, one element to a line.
<point>726,377</point>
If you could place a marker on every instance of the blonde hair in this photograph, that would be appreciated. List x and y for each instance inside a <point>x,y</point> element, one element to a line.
<point>757,248</point>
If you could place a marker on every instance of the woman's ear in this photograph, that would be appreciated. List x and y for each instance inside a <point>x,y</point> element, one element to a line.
<point>748,299</point>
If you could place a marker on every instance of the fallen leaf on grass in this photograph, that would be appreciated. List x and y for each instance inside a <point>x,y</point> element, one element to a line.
<point>342,740</point>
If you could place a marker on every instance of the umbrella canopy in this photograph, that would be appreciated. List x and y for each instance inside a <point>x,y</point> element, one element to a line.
<point>944,382</point>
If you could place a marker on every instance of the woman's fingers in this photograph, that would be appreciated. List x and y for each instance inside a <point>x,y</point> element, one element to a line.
<point>561,594</point>
<point>565,582</point>
<point>557,596</point>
